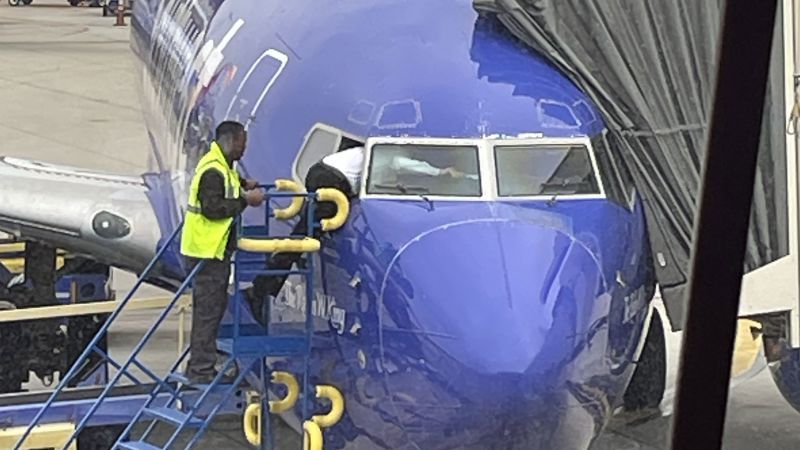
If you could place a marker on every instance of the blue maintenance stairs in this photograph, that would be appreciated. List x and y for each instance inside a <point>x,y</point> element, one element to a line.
<point>190,408</point>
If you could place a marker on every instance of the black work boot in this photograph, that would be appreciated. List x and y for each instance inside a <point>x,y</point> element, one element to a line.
<point>256,306</point>
<point>208,378</point>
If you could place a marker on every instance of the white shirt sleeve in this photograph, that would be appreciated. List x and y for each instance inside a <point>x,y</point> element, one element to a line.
<point>401,163</point>
<point>350,162</point>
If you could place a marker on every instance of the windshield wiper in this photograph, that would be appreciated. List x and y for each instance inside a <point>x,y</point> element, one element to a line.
<point>558,185</point>
<point>409,190</point>
<point>404,190</point>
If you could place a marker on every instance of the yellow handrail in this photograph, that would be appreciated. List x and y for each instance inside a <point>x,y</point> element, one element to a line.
<point>293,392</point>
<point>251,421</point>
<point>297,202</point>
<point>337,406</point>
<point>312,436</point>
<point>342,208</point>
<point>279,245</point>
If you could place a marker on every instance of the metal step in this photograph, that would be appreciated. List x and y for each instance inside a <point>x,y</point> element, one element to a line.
<point>181,378</point>
<point>172,415</point>
<point>137,445</point>
<point>261,346</point>
<point>188,385</point>
<point>248,274</point>
<point>178,378</point>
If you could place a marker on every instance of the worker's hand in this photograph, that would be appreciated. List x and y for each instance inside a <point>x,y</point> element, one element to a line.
<point>249,185</point>
<point>452,172</point>
<point>254,197</point>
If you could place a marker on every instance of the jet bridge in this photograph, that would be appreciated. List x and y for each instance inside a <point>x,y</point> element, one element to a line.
<point>649,69</point>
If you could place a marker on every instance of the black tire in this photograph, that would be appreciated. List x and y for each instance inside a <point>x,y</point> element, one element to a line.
<point>10,367</point>
<point>646,389</point>
<point>74,2</point>
<point>99,438</point>
<point>14,2</point>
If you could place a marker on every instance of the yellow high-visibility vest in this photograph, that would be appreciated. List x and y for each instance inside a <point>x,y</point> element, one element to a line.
<point>202,237</point>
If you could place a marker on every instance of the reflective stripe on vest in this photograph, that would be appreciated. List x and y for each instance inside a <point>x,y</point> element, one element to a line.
<point>205,238</point>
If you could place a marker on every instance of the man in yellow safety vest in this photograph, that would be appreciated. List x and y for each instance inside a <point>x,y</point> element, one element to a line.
<point>217,195</point>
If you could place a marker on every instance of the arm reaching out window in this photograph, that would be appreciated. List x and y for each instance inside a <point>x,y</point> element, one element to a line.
<point>404,164</point>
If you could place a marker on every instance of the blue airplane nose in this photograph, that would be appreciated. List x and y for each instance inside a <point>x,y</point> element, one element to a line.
<point>498,296</point>
<point>491,317</point>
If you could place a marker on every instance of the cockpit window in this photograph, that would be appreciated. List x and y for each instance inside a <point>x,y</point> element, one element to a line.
<point>530,170</point>
<point>404,169</point>
<point>322,140</point>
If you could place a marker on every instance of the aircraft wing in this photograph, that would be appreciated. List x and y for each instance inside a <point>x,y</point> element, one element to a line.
<point>105,216</point>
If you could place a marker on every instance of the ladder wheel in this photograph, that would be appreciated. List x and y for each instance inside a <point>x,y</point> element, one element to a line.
<point>13,373</point>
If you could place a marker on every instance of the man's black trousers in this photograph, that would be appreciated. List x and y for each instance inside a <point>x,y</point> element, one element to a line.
<point>209,301</point>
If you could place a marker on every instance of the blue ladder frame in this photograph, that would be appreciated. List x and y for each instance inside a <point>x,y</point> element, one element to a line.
<point>245,349</point>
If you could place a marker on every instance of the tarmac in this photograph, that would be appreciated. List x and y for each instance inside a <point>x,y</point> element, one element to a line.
<point>67,96</point>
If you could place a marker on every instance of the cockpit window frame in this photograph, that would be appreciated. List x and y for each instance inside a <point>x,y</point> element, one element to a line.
<point>478,143</point>
<point>545,141</point>
<point>339,133</point>
<point>487,167</point>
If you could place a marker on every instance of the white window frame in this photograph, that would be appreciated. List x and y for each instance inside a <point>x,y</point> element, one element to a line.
<point>545,141</point>
<point>480,144</point>
<point>486,166</point>
<point>327,128</point>
<point>629,193</point>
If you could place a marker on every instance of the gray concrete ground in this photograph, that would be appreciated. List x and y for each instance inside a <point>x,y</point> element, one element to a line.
<point>757,415</point>
<point>67,96</point>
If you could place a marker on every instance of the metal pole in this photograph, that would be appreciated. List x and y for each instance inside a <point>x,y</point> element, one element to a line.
<point>73,292</point>
<point>722,222</point>
<point>181,326</point>
<point>265,434</point>
<point>794,10</point>
<point>120,13</point>
<point>309,278</point>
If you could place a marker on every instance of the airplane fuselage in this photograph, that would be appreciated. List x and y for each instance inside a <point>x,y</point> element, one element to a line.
<point>472,316</point>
